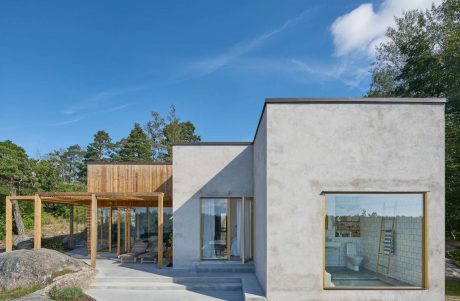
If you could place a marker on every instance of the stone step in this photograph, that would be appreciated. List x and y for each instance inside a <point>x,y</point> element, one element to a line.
<point>167,286</point>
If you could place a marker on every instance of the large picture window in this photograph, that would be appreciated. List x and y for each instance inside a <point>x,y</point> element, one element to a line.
<point>374,240</point>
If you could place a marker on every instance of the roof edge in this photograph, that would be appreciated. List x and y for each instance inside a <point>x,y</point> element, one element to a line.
<point>365,100</point>
<point>127,163</point>
<point>235,143</point>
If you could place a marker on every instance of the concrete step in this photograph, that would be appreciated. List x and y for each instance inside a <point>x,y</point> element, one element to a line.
<point>165,279</point>
<point>224,268</point>
<point>168,286</point>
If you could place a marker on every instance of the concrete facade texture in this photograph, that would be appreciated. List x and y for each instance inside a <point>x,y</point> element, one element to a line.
<point>204,171</point>
<point>301,150</point>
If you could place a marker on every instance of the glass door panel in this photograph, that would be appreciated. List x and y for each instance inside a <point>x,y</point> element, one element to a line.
<point>214,234</point>
<point>103,225</point>
<point>121,235</point>
<point>248,216</point>
<point>236,228</point>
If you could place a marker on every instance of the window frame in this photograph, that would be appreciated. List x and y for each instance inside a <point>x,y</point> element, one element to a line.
<point>425,197</point>
<point>228,199</point>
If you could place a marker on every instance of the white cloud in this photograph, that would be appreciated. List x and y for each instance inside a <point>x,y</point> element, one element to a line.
<point>362,29</point>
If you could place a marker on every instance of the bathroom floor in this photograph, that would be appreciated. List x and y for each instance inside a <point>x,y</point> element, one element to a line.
<point>342,276</point>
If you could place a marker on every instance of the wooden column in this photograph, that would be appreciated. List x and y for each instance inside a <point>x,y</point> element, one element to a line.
<point>93,230</point>
<point>160,231</point>
<point>71,230</point>
<point>9,224</point>
<point>37,222</point>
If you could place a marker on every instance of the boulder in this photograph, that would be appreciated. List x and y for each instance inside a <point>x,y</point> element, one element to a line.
<point>26,268</point>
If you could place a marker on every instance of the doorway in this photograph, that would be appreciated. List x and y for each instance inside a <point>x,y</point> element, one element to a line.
<point>226,228</point>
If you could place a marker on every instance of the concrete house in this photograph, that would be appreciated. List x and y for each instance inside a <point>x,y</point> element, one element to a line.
<point>334,199</point>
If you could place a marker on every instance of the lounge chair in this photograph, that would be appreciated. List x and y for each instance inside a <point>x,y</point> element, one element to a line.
<point>138,248</point>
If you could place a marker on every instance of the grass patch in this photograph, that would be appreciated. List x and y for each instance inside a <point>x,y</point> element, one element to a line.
<point>452,287</point>
<point>19,292</point>
<point>66,294</point>
<point>61,273</point>
<point>455,255</point>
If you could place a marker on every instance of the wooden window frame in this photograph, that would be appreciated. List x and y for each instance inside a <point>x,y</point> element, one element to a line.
<point>425,283</point>
<point>251,231</point>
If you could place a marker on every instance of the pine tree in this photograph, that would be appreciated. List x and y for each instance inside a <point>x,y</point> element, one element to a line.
<point>135,147</point>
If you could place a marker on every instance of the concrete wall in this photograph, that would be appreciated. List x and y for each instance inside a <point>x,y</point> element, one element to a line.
<point>204,171</point>
<point>260,202</point>
<point>319,147</point>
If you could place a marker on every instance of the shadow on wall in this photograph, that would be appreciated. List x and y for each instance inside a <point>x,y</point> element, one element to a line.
<point>234,179</point>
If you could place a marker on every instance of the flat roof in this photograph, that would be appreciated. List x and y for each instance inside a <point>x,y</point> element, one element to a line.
<point>127,163</point>
<point>213,143</point>
<point>364,100</point>
<point>300,100</point>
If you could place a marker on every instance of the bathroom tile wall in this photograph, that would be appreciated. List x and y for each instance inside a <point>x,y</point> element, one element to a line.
<point>406,262</point>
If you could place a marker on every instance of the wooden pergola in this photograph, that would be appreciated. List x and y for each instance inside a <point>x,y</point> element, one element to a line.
<point>92,200</point>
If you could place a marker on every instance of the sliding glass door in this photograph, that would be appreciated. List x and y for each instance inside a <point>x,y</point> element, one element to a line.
<point>226,228</point>
<point>214,224</point>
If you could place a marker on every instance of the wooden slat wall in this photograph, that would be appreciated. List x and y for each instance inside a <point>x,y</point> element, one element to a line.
<point>130,178</point>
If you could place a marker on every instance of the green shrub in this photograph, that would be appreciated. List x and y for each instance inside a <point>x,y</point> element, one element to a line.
<point>66,294</point>
<point>455,255</point>
<point>53,243</point>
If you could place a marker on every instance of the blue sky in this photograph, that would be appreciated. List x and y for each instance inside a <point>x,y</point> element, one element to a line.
<point>70,68</point>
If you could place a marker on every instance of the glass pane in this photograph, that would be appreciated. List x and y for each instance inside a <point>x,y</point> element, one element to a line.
<point>236,228</point>
<point>374,240</point>
<point>122,233</point>
<point>103,221</point>
<point>153,227</point>
<point>167,227</point>
<point>214,228</point>
<point>247,229</point>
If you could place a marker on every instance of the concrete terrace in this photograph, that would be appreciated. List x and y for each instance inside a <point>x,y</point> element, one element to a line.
<point>136,281</point>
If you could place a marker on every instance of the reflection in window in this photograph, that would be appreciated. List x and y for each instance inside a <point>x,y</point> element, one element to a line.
<point>374,240</point>
<point>214,228</point>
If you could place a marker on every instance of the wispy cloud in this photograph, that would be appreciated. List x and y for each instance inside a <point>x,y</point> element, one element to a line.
<point>212,64</point>
<point>65,122</point>
<point>103,100</point>
<point>118,108</point>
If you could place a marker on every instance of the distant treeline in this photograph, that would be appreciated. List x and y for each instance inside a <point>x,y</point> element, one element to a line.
<point>65,169</point>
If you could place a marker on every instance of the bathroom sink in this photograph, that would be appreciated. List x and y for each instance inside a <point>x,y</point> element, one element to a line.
<point>332,244</point>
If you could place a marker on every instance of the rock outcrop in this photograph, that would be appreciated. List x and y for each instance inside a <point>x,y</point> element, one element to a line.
<point>26,268</point>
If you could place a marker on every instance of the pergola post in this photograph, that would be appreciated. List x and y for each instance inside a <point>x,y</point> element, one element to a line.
<point>37,222</point>
<point>9,224</point>
<point>71,237</point>
<point>93,230</point>
<point>160,231</point>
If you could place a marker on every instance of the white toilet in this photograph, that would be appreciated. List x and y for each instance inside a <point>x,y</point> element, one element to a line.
<point>353,261</point>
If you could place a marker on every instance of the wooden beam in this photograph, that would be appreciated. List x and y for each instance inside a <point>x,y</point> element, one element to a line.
<point>71,230</point>
<point>93,230</point>
<point>9,224</point>
<point>160,231</point>
<point>37,222</point>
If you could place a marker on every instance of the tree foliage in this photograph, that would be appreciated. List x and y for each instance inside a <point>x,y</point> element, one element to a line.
<point>65,169</point>
<point>421,58</point>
